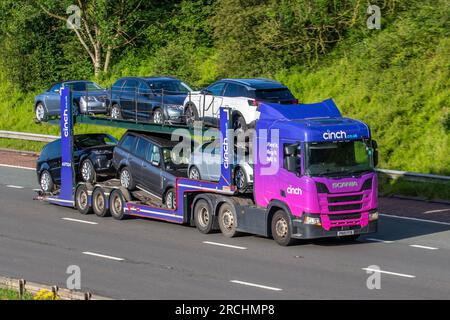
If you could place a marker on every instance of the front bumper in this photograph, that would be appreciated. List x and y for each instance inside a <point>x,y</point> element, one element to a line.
<point>174,115</point>
<point>94,107</point>
<point>308,231</point>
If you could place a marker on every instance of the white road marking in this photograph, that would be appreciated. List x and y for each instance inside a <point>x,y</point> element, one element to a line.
<point>102,256</point>
<point>415,219</point>
<point>379,240</point>
<point>224,245</point>
<point>81,221</point>
<point>439,210</point>
<point>16,167</point>
<point>423,247</point>
<point>255,285</point>
<point>391,273</point>
<point>14,187</point>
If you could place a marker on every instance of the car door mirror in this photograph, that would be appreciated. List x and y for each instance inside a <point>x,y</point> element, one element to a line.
<point>206,92</point>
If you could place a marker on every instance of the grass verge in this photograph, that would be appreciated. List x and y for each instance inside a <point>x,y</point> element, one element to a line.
<point>8,294</point>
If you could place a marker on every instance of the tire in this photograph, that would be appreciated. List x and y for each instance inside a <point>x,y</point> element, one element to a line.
<point>116,202</point>
<point>203,216</point>
<point>240,178</point>
<point>88,171</point>
<point>82,200</point>
<point>227,221</point>
<point>190,114</point>
<point>46,181</point>
<point>282,229</point>
<point>115,112</point>
<point>194,173</point>
<point>158,116</point>
<point>170,199</point>
<point>126,179</point>
<point>40,112</point>
<point>239,123</point>
<point>99,203</point>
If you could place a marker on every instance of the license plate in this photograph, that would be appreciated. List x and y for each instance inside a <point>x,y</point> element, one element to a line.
<point>346,233</point>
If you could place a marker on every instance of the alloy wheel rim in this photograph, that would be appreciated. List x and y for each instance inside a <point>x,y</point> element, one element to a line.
<point>45,181</point>
<point>125,179</point>
<point>281,228</point>
<point>239,179</point>
<point>39,112</point>
<point>115,113</point>
<point>157,117</point>
<point>170,201</point>
<point>86,171</point>
<point>194,174</point>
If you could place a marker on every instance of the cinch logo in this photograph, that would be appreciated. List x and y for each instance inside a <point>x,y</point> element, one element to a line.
<point>225,153</point>
<point>66,121</point>
<point>293,190</point>
<point>334,135</point>
<point>338,185</point>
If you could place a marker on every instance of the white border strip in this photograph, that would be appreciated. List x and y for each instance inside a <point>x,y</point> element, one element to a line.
<point>61,200</point>
<point>224,245</point>
<point>152,212</point>
<point>415,219</point>
<point>14,187</point>
<point>102,256</point>
<point>422,247</point>
<point>255,285</point>
<point>16,167</point>
<point>391,273</point>
<point>206,188</point>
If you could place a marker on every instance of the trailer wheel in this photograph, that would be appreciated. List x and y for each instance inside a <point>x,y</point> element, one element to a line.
<point>116,202</point>
<point>281,229</point>
<point>227,221</point>
<point>99,203</point>
<point>82,200</point>
<point>203,216</point>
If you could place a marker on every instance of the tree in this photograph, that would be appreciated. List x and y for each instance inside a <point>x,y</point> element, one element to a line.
<point>102,26</point>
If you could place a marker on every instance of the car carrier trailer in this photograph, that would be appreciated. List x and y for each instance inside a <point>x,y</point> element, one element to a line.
<point>287,203</point>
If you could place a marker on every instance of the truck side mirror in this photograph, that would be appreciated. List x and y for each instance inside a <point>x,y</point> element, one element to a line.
<point>290,150</point>
<point>292,164</point>
<point>375,153</point>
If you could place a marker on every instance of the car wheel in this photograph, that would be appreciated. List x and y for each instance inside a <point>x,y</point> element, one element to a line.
<point>126,179</point>
<point>88,171</point>
<point>194,173</point>
<point>41,113</point>
<point>190,114</point>
<point>239,123</point>
<point>46,181</point>
<point>203,216</point>
<point>281,229</point>
<point>227,221</point>
<point>240,179</point>
<point>158,116</point>
<point>115,112</point>
<point>170,199</point>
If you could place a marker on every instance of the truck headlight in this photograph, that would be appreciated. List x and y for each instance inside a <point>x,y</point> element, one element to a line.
<point>373,215</point>
<point>312,220</point>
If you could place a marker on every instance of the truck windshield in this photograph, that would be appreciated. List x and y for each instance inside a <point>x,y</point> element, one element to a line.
<point>338,158</point>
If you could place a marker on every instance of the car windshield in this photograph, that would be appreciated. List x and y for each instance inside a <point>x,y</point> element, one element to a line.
<point>88,140</point>
<point>83,86</point>
<point>169,87</point>
<point>274,94</point>
<point>338,158</point>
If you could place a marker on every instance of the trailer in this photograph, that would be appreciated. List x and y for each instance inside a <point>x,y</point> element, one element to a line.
<point>288,202</point>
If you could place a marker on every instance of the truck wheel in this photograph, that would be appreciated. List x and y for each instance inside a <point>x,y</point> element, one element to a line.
<point>116,202</point>
<point>170,199</point>
<point>82,200</point>
<point>158,116</point>
<point>126,179</point>
<point>99,203</point>
<point>227,221</point>
<point>203,216</point>
<point>281,229</point>
<point>88,171</point>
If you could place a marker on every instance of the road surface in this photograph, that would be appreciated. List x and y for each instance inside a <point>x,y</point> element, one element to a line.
<point>147,259</point>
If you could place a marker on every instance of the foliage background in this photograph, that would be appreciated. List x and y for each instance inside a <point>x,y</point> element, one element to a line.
<point>395,79</point>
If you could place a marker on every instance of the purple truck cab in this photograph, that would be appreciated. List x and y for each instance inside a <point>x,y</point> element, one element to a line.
<point>318,167</point>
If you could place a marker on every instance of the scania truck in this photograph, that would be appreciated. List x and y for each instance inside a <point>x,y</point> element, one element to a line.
<point>313,177</point>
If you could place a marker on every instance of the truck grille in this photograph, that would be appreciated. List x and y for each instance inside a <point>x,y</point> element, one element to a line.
<point>347,216</point>
<point>344,207</point>
<point>345,198</point>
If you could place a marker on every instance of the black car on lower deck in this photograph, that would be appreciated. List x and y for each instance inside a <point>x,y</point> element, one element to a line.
<point>91,158</point>
<point>146,162</point>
